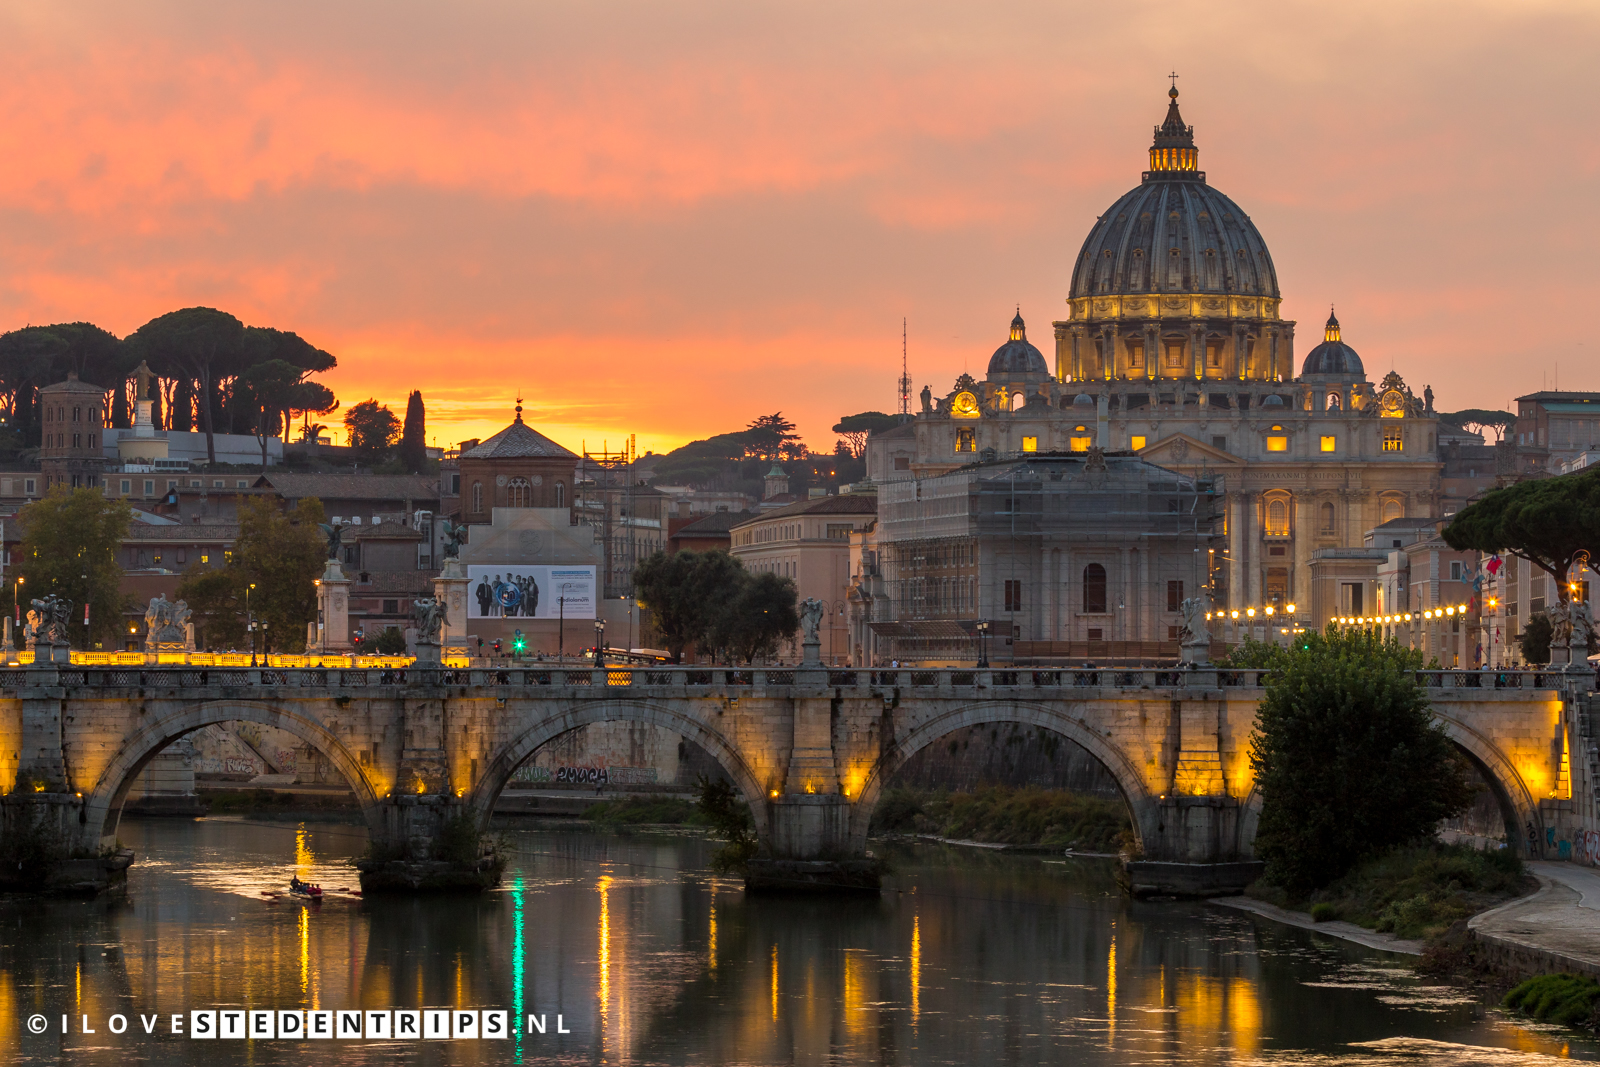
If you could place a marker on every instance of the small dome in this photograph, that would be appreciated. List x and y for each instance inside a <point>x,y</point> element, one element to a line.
<point>1083,400</point>
<point>1272,400</point>
<point>1017,358</point>
<point>1333,356</point>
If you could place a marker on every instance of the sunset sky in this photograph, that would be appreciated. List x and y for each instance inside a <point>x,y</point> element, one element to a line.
<point>668,218</point>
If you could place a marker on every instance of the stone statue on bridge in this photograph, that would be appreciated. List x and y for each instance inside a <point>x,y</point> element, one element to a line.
<point>335,535</point>
<point>429,614</point>
<point>454,535</point>
<point>811,610</point>
<point>54,613</point>
<point>1194,634</point>
<point>167,626</point>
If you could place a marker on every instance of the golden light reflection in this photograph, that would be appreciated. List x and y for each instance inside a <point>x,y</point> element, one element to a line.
<point>711,949</point>
<point>303,858</point>
<point>305,955</point>
<point>774,982</point>
<point>1111,988</point>
<point>855,994</point>
<point>916,969</point>
<point>604,888</point>
<point>1244,1015</point>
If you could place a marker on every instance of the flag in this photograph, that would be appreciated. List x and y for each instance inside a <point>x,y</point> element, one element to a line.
<point>1493,566</point>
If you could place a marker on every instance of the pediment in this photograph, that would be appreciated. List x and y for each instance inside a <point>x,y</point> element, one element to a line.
<point>1184,451</point>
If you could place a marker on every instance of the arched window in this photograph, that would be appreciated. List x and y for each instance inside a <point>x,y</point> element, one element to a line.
<point>1019,399</point>
<point>1333,402</point>
<point>1392,509</point>
<point>1328,520</point>
<point>519,494</point>
<point>1094,589</point>
<point>1278,518</point>
<point>561,494</point>
<point>477,496</point>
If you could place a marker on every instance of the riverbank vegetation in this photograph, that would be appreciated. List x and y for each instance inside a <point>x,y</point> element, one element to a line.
<point>1415,892</point>
<point>1347,758</point>
<point>1562,999</point>
<point>270,804</point>
<point>640,810</point>
<point>1046,818</point>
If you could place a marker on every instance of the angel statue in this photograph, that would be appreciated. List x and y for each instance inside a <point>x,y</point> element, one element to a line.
<point>334,534</point>
<point>1194,635</point>
<point>454,535</point>
<point>811,616</point>
<point>429,615</point>
<point>53,613</point>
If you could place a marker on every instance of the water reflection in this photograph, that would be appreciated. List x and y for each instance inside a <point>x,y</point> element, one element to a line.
<point>628,945</point>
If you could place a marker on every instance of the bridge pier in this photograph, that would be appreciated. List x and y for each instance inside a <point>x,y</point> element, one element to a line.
<point>1191,848</point>
<point>427,842</point>
<point>43,847</point>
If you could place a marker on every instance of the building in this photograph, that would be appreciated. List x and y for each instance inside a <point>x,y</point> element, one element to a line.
<point>1556,428</point>
<point>691,532</point>
<point>1174,349</point>
<point>516,468</point>
<point>73,417</point>
<point>809,542</point>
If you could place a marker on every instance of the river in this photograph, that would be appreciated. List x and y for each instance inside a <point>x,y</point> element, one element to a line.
<point>628,943</point>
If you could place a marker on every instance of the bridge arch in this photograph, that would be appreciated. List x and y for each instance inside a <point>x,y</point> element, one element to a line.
<point>494,778</point>
<point>1141,805</point>
<point>1518,806</point>
<point>103,803</point>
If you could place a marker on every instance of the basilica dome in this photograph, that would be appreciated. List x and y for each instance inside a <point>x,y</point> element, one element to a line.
<point>1017,358</point>
<point>1333,356</point>
<point>1175,234</point>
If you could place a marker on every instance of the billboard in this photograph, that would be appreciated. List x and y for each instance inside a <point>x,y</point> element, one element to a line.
<point>514,591</point>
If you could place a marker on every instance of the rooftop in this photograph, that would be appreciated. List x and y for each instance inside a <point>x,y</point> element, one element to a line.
<point>846,504</point>
<point>519,441</point>
<point>417,487</point>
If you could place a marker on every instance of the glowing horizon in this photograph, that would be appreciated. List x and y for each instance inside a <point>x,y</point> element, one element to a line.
<point>668,221</point>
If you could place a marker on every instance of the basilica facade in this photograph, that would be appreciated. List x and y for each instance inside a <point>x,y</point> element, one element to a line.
<point>1173,350</point>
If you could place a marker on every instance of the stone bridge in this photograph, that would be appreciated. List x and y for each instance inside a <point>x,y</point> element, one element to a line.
<point>810,748</point>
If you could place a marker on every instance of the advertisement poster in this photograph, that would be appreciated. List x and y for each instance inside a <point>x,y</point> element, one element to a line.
<point>513,591</point>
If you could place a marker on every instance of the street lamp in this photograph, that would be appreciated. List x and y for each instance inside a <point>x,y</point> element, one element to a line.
<point>983,633</point>
<point>599,642</point>
<point>250,622</point>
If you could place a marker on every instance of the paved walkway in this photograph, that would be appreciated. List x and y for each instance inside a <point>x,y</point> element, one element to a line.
<point>1557,928</point>
<point>1342,930</point>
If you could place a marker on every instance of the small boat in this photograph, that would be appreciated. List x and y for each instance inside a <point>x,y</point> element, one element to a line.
<point>304,889</point>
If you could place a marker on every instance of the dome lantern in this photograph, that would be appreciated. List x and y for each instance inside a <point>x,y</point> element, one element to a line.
<point>1173,150</point>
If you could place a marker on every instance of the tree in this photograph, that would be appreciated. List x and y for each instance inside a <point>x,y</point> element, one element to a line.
<point>1480,420</point>
<point>199,345</point>
<point>267,345</point>
<point>1347,758</point>
<point>1535,639</point>
<point>769,436</point>
<point>1547,522</point>
<point>283,554</point>
<point>373,429</point>
<point>216,596</point>
<point>730,819</point>
<point>391,641</point>
<point>69,549</point>
<point>271,387</point>
<point>855,429</point>
<point>685,591</point>
<point>755,622</point>
<point>413,438</point>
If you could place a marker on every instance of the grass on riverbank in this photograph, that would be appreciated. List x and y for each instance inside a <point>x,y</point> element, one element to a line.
<point>1047,818</point>
<point>1563,999</point>
<point>268,804</point>
<point>625,811</point>
<point>1413,893</point>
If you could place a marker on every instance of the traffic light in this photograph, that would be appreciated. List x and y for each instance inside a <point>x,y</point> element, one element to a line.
<point>497,646</point>
<point>518,642</point>
<point>358,636</point>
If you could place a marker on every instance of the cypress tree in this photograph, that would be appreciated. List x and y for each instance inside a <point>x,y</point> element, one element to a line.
<point>413,435</point>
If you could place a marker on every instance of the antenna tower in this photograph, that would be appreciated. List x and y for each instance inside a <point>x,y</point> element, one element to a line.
<point>905,377</point>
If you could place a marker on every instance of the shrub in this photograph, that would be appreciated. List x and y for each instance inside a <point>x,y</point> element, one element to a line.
<point>1028,816</point>
<point>730,819</point>
<point>391,642</point>
<point>1563,999</point>
<point>1322,912</point>
<point>625,810</point>
<point>1347,758</point>
<point>1419,892</point>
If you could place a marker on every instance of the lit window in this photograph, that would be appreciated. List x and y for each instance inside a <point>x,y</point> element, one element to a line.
<point>1136,442</point>
<point>1030,444</point>
<point>205,558</point>
<point>1081,444</point>
<point>1392,441</point>
<point>965,440</point>
<point>1328,444</point>
<point>1277,444</point>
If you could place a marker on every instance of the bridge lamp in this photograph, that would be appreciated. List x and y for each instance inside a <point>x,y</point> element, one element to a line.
<point>1269,610</point>
<point>1250,612</point>
<point>1450,610</point>
<point>1235,614</point>
<point>1291,609</point>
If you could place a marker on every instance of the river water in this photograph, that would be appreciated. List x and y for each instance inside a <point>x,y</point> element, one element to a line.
<point>633,948</point>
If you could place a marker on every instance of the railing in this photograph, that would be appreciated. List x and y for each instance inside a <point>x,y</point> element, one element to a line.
<point>1060,682</point>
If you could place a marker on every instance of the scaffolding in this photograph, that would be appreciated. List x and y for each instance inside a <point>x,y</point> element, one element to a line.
<point>626,515</point>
